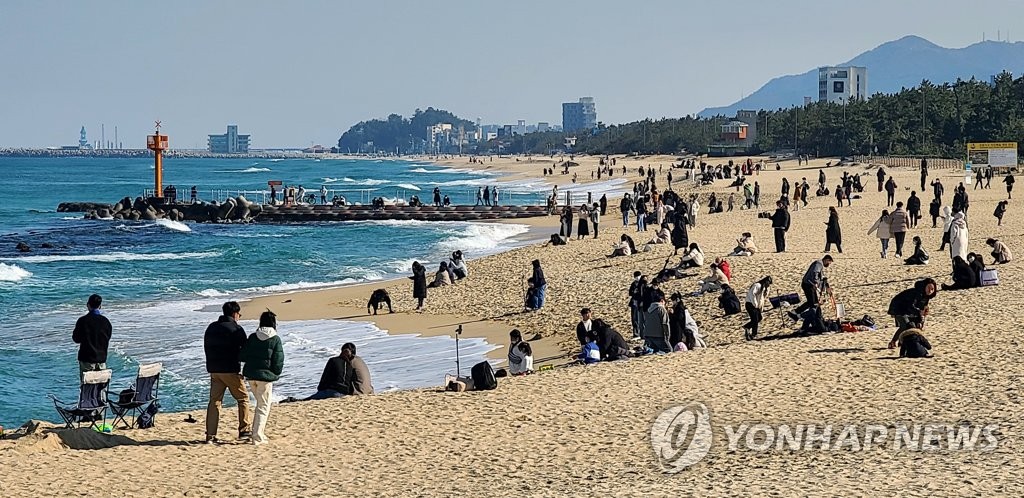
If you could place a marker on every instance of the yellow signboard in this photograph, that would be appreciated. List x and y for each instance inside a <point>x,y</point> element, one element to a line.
<point>981,154</point>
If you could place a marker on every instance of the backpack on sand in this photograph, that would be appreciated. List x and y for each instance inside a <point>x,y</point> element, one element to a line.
<point>483,376</point>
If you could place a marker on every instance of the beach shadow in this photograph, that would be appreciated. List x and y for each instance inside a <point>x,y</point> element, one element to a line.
<point>838,350</point>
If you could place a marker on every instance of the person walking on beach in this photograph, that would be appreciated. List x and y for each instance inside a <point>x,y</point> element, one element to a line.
<point>881,178</point>
<point>1009,185</point>
<point>419,284</point>
<point>222,343</point>
<point>595,217</point>
<point>898,223</point>
<point>988,178</point>
<point>883,229</point>
<point>780,224</point>
<point>263,356</point>
<point>756,299</point>
<point>833,234</point>
<point>540,282</point>
<point>890,191</point>
<point>913,209</point>
<point>812,285</point>
<point>625,205</point>
<point>92,334</point>
<point>757,194</point>
<point>978,177</point>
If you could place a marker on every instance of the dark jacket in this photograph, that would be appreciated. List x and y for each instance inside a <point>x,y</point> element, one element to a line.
<point>914,204</point>
<point>677,324</point>
<point>964,277</point>
<point>913,344</point>
<point>419,282</point>
<point>613,346</point>
<point>833,233</point>
<point>92,333</point>
<point>680,236</point>
<point>581,330</point>
<point>909,302</point>
<point>263,355</point>
<point>729,302</point>
<point>346,377</point>
<point>223,343</point>
<point>538,277</point>
<point>780,219</point>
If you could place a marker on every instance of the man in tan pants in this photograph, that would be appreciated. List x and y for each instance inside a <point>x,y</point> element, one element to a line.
<point>223,343</point>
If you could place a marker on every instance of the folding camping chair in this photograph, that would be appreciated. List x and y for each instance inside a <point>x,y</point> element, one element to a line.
<point>92,401</point>
<point>137,398</point>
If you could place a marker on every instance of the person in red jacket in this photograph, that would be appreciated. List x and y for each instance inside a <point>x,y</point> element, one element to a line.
<point>724,266</point>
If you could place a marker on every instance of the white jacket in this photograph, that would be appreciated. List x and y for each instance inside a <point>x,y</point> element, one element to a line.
<point>958,236</point>
<point>755,295</point>
<point>696,256</point>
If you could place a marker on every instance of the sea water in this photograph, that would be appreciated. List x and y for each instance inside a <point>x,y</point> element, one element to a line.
<point>162,282</point>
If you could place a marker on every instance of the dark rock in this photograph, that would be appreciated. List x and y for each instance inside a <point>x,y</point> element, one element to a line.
<point>46,245</point>
<point>23,247</point>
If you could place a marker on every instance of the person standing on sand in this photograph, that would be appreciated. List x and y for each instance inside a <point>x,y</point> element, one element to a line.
<point>883,229</point>
<point>999,212</point>
<point>938,189</point>
<point>924,172</point>
<point>480,196</point>
<point>898,225</point>
<point>540,282</point>
<point>636,291</point>
<point>222,343</point>
<point>757,194</point>
<point>641,214</point>
<point>756,298</point>
<point>583,230</point>
<point>263,356</point>
<point>988,178</point>
<point>780,224</point>
<point>92,334</point>
<point>656,325</point>
<point>833,234</point>
<point>812,284</point>
<point>419,284</point>
<point>890,191</point>
<point>914,209</point>
<point>604,204</point>
<point>881,178</point>
<point>1009,185</point>
<point>625,205</point>
<point>494,195</point>
<point>595,217</point>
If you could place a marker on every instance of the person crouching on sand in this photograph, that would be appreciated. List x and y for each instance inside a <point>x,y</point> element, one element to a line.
<point>913,344</point>
<point>910,307</point>
<point>264,360</point>
<point>1000,253</point>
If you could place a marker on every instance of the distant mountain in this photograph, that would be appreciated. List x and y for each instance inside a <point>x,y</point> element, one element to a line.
<point>892,66</point>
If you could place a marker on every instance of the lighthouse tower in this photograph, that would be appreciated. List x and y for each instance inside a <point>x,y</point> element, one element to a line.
<point>83,143</point>
<point>158,144</point>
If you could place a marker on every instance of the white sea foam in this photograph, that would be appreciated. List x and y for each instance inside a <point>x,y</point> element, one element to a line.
<point>246,170</point>
<point>407,186</point>
<point>177,226</point>
<point>114,257</point>
<point>448,170</point>
<point>481,237</point>
<point>13,273</point>
<point>369,181</point>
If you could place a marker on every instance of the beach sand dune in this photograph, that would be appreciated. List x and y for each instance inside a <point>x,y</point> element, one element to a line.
<point>586,430</point>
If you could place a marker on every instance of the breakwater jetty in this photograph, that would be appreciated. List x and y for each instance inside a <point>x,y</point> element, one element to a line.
<point>240,209</point>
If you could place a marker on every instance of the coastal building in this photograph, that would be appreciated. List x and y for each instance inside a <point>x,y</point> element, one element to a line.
<point>543,127</point>
<point>839,85</point>
<point>580,115</point>
<point>229,143</point>
<point>736,136</point>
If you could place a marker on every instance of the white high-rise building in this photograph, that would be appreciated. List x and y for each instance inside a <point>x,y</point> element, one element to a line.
<point>842,84</point>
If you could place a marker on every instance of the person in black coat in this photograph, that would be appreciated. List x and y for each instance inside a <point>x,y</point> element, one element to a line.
<point>964,277</point>
<point>728,301</point>
<point>419,284</point>
<point>604,204</point>
<point>613,346</point>
<point>833,234</point>
<point>914,209</point>
<point>919,257</point>
<point>909,307</point>
<point>780,224</point>
<point>933,210</point>
<point>913,344</point>
<point>680,236</point>
<point>539,281</point>
<point>92,334</point>
<point>977,263</point>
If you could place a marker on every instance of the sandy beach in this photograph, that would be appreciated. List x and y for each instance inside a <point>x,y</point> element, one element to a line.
<point>586,430</point>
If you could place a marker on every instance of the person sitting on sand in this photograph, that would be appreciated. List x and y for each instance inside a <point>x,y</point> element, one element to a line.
<point>977,264</point>
<point>458,265</point>
<point>919,257</point>
<point>714,281</point>
<point>520,354</point>
<point>1000,253</point>
<point>557,240</point>
<point>344,375</point>
<point>625,247</point>
<point>656,325</point>
<point>693,259</point>
<point>590,352</point>
<point>613,345</point>
<point>913,344</point>
<point>910,307</point>
<point>728,302</point>
<point>684,335</point>
<point>662,236</point>
<point>744,246</point>
<point>441,278</point>
<point>723,264</point>
<point>964,277</point>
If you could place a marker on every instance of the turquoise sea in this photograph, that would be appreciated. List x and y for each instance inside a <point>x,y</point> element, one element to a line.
<point>162,283</point>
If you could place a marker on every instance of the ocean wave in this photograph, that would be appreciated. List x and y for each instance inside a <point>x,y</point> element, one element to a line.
<point>461,183</point>
<point>408,186</point>
<point>445,170</point>
<point>13,273</point>
<point>246,170</point>
<point>177,226</point>
<point>114,257</point>
<point>297,286</point>
<point>481,237</point>
<point>211,293</point>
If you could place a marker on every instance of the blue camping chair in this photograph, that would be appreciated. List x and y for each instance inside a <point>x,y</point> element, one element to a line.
<point>137,399</point>
<point>92,401</point>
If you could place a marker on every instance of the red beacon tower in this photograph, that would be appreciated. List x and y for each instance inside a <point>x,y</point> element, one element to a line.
<point>158,144</point>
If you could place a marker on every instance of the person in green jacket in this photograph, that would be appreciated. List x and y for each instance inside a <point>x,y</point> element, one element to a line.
<point>264,360</point>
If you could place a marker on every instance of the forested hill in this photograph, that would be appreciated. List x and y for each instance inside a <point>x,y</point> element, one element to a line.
<point>397,133</point>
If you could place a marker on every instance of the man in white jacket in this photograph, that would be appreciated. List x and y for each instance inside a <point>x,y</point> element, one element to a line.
<point>756,297</point>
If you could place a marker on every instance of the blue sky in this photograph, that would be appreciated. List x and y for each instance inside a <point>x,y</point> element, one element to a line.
<point>292,73</point>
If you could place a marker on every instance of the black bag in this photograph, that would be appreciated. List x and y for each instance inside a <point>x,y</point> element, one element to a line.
<point>147,418</point>
<point>126,396</point>
<point>483,377</point>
